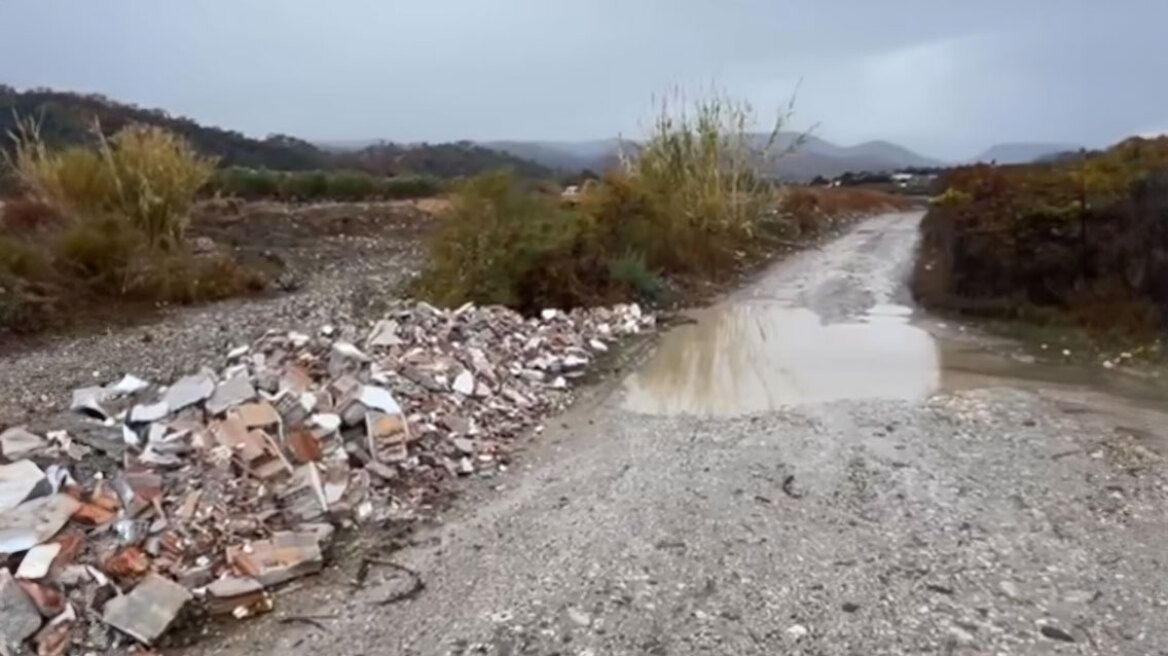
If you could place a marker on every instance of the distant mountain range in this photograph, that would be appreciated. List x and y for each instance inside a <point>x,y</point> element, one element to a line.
<point>69,118</point>
<point>1024,153</point>
<point>813,158</point>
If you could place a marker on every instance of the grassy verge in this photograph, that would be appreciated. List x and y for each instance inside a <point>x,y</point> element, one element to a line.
<point>1081,243</point>
<point>695,203</point>
<point>105,223</point>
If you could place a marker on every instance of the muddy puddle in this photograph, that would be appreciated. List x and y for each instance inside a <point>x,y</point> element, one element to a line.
<point>753,356</point>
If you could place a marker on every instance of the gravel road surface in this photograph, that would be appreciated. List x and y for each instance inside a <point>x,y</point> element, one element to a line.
<point>892,513</point>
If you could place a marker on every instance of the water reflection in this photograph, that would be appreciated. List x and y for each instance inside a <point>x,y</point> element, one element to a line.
<point>756,356</point>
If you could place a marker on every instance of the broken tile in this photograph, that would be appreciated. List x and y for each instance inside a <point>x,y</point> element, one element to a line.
<point>387,436</point>
<point>258,415</point>
<point>284,557</point>
<point>231,393</point>
<point>129,384</point>
<point>127,562</point>
<point>48,601</point>
<point>303,498</point>
<point>88,400</point>
<point>19,481</point>
<point>34,522</point>
<point>384,334</point>
<point>93,515</point>
<point>188,391</point>
<point>144,414</point>
<point>304,446</point>
<point>379,398</point>
<point>148,610</point>
<point>225,595</point>
<point>55,637</point>
<point>38,560</point>
<point>19,617</point>
<point>17,442</point>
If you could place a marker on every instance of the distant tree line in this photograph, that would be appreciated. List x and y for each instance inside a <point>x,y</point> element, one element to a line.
<point>70,118</point>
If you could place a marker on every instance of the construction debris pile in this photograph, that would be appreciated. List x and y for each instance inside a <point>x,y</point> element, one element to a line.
<point>159,502</point>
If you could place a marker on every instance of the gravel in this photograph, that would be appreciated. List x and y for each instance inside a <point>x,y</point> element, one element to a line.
<point>340,292</point>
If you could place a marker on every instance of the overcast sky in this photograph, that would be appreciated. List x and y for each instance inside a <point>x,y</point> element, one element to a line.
<point>945,78</point>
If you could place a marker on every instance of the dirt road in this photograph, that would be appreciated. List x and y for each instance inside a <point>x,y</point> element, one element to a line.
<point>807,470</point>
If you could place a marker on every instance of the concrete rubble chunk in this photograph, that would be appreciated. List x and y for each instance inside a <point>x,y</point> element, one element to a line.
<point>188,391</point>
<point>387,435</point>
<point>38,560</point>
<point>303,497</point>
<point>284,557</point>
<point>148,610</point>
<point>56,636</point>
<point>19,617</point>
<point>35,522</point>
<point>231,393</point>
<point>19,481</point>
<point>17,443</point>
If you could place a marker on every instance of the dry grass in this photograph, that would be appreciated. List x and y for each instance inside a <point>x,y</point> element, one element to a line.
<point>143,174</point>
<point>105,224</point>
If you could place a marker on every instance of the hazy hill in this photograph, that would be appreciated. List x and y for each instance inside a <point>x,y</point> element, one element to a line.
<point>1023,153</point>
<point>69,118</point>
<point>816,156</point>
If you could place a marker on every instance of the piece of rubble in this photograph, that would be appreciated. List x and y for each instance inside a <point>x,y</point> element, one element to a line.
<point>148,610</point>
<point>286,556</point>
<point>233,392</point>
<point>387,435</point>
<point>48,601</point>
<point>127,562</point>
<point>188,391</point>
<point>379,398</point>
<point>146,413</point>
<point>384,334</point>
<point>304,445</point>
<point>17,442</point>
<point>226,595</point>
<point>258,415</point>
<point>88,400</point>
<point>34,522</point>
<point>128,385</point>
<point>20,481</point>
<point>38,560</point>
<point>55,637</point>
<point>464,383</point>
<point>255,448</point>
<point>303,498</point>
<point>19,617</point>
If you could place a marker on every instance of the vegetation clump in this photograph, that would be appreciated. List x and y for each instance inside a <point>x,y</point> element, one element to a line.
<point>1083,240</point>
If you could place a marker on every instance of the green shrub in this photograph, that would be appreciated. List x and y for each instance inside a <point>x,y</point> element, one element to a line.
<point>632,272</point>
<point>498,243</point>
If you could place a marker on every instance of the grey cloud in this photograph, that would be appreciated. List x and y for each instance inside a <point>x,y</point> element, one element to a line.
<point>945,78</point>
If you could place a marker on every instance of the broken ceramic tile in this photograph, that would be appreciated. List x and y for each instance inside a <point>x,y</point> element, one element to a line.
<point>384,334</point>
<point>188,390</point>
<point>258,415</point>
<point>34,522</point>
<point>284,557</point>
<point>37,561</point>
<point>19,482</point>
<point>17,442</point>
<point>303,497</point>
<point>88,400</point>
<point>143,414</point>
<point>19,617</point>
<point>148,610</point>
<point>464,383</point>
<point>231,393</point>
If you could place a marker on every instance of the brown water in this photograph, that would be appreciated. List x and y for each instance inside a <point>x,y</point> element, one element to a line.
<point>753,356</point>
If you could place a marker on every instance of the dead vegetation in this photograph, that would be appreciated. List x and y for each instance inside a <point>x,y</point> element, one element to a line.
<point>106,223</point>
<point>1083,242</point>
